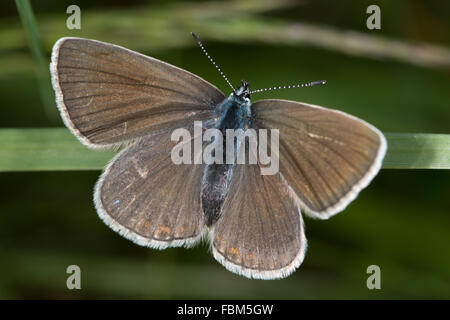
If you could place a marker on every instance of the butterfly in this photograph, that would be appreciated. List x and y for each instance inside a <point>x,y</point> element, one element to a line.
<point>110,96</point>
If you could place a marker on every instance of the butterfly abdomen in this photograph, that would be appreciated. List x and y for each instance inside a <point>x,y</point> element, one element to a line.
<point>215,183</point>
<point>216,176</point>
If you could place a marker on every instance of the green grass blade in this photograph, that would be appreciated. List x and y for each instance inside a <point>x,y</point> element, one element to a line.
<point>57,149</point>
<point>37,51</point>
<point>47,149</point>
<point>417,151</point>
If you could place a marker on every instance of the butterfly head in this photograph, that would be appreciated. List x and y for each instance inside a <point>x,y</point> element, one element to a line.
<point>242,93</point>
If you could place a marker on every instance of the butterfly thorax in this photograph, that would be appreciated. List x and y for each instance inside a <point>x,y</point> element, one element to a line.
<point>235,113</point>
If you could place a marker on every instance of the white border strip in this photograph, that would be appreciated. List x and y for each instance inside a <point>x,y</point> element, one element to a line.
<point>60,97</point>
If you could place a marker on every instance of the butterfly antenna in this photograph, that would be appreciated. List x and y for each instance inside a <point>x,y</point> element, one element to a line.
<point>197,39</point>
<point>309,84</point>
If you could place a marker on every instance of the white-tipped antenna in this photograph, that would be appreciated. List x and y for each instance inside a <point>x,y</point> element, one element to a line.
<point>197,39</point>
<point>309,84</point>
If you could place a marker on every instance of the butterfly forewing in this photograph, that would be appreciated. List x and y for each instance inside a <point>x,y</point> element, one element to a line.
<point>150,200</point>
<point>326,156</point>
<point>108,94</point>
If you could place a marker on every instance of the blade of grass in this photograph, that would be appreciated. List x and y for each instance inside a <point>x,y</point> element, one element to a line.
<point>37,51</point>
<point>46,149</point>
<point>417,151</point>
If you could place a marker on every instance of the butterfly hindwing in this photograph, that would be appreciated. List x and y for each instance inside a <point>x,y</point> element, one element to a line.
<point>260,231</point>
<point>150,200</point>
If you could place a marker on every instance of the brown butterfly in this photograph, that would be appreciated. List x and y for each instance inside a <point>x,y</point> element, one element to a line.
<point>110,96</point>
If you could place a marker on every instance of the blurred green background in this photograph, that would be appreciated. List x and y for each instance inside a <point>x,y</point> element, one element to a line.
<point>400,223</point>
